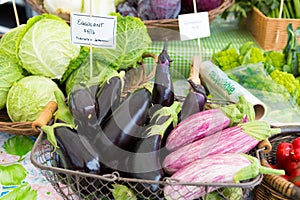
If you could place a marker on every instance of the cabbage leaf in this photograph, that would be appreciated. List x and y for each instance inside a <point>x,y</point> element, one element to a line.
<point>8,42</point>
<point>82,75</point>
<point>44,46</point>
<point>10,72</point>
<point>132,41</point>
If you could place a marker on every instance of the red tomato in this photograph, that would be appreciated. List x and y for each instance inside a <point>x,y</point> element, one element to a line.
<point>295,154</point>
<point>296,143</point>
<point>291,166</point>
<point>283,154</point>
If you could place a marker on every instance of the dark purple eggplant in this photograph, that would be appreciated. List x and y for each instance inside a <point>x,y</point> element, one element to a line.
<point>194,101</point>
<point>73,155</point>
<point>83,107</point>
<point>121,131</point>
<point>145,163</point>
<point>163,90</point>
<point>108,98</point>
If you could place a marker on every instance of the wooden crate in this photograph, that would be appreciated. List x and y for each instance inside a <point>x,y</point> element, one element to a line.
<point>270,33</point>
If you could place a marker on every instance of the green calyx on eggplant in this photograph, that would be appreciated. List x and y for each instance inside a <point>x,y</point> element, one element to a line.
<point>145,162</point>
<point>163,90</point>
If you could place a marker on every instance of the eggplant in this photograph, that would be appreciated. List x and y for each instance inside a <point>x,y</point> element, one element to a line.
<point>73,155</point>
<point>194,101</point>
<point>121,131</point>
<point>163,90</point>
<point>108,98</point>
<point>83,107</point>
<point>145,163</point>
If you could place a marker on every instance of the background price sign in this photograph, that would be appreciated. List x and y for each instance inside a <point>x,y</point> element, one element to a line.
<point>194,25</point>
<point>100,31</point>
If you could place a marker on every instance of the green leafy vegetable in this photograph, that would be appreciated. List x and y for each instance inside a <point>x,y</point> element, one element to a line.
<point>121,192</point>
<point>23,192</point>
<point>18,145</point>
<point>44,46</point>
<point>29,96</point>
<point>275,59</point>
<point>63,112</point>
<point>250,54</point>
<point>8,42</point>
<point>132,41</point>
<point>227,58</point>
<point>12,174</point>
<point>10,72</point>
<point>81,76</point>
<point>289,82</point>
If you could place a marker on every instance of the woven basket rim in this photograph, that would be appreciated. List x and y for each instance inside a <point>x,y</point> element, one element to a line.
<point>255,9</point>
<point>37,5</point>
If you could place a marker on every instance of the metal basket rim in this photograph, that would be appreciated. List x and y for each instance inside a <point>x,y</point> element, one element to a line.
<point>115,177</point>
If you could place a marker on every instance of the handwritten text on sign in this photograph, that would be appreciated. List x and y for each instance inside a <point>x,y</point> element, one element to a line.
<point>100,31</point>
<point>194,25</point>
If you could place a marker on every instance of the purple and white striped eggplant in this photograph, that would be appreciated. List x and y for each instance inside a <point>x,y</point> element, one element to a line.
<point>197,126</point>
<point>237,139</point>
<point>218,168</point>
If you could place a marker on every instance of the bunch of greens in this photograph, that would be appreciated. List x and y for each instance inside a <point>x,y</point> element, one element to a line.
<point>229,57</point>
<point>270,8</point>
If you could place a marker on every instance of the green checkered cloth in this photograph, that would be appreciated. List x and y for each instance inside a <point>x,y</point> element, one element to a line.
<point>181,52</point>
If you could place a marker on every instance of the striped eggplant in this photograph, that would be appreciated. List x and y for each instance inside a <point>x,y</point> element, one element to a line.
<point>237,139</point>
<point>197,126</point>
<point>217,168</point>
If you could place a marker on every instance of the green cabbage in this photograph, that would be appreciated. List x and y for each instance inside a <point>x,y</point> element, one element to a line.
<point>44,46</point>
<point>28,97</point>
<point>10,72</point>
<point>132,42</point>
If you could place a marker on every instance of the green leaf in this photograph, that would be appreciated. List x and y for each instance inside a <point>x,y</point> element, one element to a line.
<point>121,192</point>
<point>18,145</point>
<point>23,192</point>
<point>12,174</point>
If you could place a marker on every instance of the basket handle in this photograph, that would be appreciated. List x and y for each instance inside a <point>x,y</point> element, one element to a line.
<point>265,145</point>
<point>195,70</point>
<point>45,116</point>
<point>283,186</point>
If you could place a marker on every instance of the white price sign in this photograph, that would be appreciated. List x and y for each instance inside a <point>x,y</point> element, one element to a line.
<point>4,1</point>
<point>194,25</point>
<point>100,31</point>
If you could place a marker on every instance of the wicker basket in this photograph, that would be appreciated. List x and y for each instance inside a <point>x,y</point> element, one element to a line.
<point>275,187</point>
<point>37,5</point>
<point>270,33</point>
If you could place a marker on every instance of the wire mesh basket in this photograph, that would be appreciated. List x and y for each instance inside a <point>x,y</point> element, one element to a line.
<point>73,184</point>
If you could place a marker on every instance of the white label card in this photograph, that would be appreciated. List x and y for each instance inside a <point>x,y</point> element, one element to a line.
<point>100,31</point>
<point>193,25</point>
<point>4,1</point>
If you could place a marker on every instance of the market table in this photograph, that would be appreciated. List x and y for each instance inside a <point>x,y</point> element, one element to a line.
<point>222,32</point>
